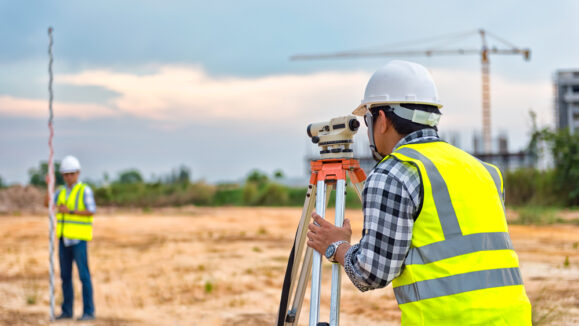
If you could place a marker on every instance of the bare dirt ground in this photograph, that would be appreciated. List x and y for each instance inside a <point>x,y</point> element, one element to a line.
<point>225,266</point>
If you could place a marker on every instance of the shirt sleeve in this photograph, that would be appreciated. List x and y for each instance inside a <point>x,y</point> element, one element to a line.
<point>391,201</point>
<point>89,202</point>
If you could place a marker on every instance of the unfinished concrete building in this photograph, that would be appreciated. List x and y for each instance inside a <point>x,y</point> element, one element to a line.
<point>567,99</point>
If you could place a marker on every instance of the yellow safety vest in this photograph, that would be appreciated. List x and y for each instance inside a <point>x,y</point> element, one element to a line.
<point>73,226</point>
<point>461,268</point>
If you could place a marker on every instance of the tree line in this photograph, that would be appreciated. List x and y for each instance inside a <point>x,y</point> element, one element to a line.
<point>557,186</point>
<point>130,189</point>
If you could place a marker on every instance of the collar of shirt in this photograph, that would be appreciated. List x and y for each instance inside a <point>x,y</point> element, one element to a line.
<point>418,136</point>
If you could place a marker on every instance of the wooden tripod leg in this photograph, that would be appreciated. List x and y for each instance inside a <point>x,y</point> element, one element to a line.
<point>286,317</point>
<point>294,312</point>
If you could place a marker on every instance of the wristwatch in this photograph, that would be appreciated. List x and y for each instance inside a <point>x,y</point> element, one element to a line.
<point>332,249</point>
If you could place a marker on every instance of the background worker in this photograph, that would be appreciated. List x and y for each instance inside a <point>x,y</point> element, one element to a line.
<point>434,218</point>
<point>75,207</point>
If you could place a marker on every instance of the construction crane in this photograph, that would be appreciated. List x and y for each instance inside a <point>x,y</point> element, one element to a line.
<point>484,53</point>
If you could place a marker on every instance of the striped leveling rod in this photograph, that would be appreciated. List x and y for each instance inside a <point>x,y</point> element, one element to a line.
<point>50,183</point>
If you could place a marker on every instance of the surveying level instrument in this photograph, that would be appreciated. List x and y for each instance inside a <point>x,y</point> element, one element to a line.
<point>337,162</point>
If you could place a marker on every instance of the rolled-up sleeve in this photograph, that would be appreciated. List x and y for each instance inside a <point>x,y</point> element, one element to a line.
<point>391,201</point>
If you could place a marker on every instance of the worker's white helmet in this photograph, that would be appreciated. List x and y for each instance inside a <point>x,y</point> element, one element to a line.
<point>69,164</point>
<point>399,82</point>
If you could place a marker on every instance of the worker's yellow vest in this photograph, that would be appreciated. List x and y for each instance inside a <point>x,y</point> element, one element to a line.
<point>461,268</point>
<point>73,226</point>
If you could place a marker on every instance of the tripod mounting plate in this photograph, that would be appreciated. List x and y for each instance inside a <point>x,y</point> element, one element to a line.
<point>331,170</point>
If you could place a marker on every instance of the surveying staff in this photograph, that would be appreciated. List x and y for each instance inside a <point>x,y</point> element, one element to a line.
<point>75,207</point>
<point>434,218</point>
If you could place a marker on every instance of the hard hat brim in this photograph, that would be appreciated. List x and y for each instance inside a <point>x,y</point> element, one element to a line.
<point>363,108</point>
<point>360,110</point>
<point>69,170</point>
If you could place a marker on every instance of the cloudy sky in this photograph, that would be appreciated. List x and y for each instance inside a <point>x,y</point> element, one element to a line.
<point>208,84</point>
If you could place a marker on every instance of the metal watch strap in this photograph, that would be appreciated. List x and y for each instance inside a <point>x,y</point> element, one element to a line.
<point>336,245</point>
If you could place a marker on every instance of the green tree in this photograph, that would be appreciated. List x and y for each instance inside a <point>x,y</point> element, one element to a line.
<point>273,195</point>
<point>180,176</point>
<point>37,176</point>
<point>278,174</point>
<point>257,177</point>
<point>2,184</point>
<point>183,174</point>
<point>132,176</point>
<point>564,147</point>
<point>250,194</point>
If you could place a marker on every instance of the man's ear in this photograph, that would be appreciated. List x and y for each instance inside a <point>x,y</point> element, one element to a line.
<point>383,123</point>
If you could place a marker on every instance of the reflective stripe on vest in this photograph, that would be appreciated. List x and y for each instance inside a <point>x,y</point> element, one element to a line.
<point>73,222</point>
<point>458,246</point>
<point>459,283</point>
<point>496,178</point>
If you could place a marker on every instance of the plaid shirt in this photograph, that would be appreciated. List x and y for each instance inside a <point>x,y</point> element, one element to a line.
<point>392,200</point>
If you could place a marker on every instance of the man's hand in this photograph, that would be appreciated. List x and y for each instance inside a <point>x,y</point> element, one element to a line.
<point>325,233</point>
<point>62,209</point>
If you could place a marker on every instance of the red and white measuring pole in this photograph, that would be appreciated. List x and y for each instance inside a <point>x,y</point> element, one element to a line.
<point>50,178</point>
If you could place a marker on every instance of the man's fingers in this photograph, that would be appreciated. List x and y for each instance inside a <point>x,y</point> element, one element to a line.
<point>316,216</point>
<point>347,223</point>
<point>318,219</point>
<point>312,227</point>
<point>312,235</point>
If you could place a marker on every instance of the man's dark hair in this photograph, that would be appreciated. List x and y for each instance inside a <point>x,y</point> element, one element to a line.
<point>403,126</point>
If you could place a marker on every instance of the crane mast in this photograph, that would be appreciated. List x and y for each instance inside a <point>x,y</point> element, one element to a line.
<point>486,94</point>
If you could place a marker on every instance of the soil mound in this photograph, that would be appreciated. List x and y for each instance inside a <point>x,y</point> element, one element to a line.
<point>22,199</point>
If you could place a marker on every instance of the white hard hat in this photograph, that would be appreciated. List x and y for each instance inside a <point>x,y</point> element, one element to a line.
<point>69,164</point>
<point>399,82</point>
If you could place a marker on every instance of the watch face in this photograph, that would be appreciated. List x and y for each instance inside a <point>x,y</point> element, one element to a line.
<point>330,251</point>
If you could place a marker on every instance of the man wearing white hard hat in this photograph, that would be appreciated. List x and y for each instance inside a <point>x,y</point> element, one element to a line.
<point>75,207</point>
<point>434,217</point>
